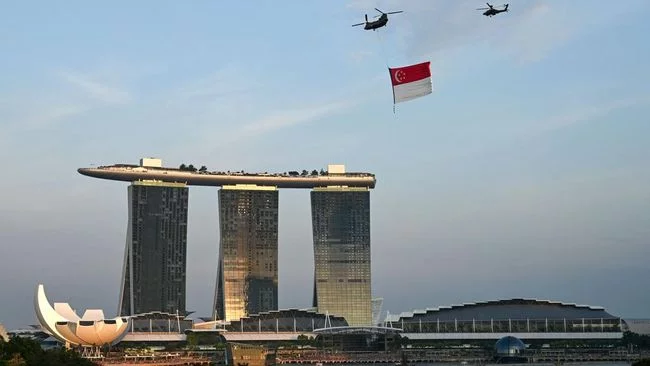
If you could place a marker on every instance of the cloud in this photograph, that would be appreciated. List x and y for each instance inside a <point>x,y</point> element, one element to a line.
<point>527,33</point>
<point>537,31</point>
<point>237,102</point>
<point>38,112</point>
<point>48,116</point>
<point>49,106</point>
<point>101,92</point>
<point>582,114</point>
<point>225,82</point>
<point>360,55</point>
<point>478,143</point>
<point>42,107</point>
<point>287,118</point>
<point>213,138</point>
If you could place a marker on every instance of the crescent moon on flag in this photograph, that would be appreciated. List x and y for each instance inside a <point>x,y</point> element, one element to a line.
<point>400,75</point>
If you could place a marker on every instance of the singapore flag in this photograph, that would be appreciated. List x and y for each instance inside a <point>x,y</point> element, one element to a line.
<point>410,82</point>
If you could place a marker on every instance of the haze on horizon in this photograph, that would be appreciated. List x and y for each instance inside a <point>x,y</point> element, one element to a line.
<point>524,174</point>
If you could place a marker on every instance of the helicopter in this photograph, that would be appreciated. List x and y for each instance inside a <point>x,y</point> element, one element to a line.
<point>383,19</point>
<point>491,11</point>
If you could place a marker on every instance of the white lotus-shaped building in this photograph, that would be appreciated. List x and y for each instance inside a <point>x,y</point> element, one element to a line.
<point>90,330</point>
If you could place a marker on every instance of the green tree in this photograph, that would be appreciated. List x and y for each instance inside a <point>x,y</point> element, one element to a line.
<point>24,351</point>
<point>192,341</point>
<point>203,168</point>
<point>303,340</point>
<point>182,167</point>
<point>314,172</point>
<point>304,172</point>
<point>16,360</point>
<point>636,340</point>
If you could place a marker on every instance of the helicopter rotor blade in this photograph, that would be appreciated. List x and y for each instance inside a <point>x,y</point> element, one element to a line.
<point>354,25</point>
<point>482,9</point>
<point>379,11</point>
<point>366,18</point>
<point>396,12</point>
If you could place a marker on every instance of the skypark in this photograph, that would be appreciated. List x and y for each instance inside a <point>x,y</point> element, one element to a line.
<point>151,170</point>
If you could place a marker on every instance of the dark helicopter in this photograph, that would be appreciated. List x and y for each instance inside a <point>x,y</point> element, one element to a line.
<point>491,11</point>
<point>383,19</point>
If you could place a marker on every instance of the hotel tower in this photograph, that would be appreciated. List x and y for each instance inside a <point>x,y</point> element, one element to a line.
<point>341,230</point>
<point>247,271</point>
<point>154,271</point>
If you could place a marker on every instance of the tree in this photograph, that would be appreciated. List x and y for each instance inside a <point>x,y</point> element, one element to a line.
<point>322,172</point>
<point>637,340</point>
<point>24,351</point>
<point>182,167</point>
<point>16,360</point>
<point>191,167</point>
<point>314,172</point>
<point>192,340</point>
<point>303,340</point>
<point>304,172</point>
<point>203,168</point>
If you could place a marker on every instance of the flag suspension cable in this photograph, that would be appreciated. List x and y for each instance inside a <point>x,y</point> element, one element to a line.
<point>380,39</point>
<point>382,50</point>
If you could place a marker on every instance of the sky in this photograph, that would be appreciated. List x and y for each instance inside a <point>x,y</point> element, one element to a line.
<point>524,174</point>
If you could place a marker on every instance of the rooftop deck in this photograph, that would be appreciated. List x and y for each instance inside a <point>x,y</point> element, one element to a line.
<point>130,173</point>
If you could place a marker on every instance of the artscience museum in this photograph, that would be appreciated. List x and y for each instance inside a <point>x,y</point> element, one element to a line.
<point>90,331</point>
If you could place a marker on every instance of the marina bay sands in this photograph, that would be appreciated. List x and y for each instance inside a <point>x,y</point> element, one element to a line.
<point>154,268</point>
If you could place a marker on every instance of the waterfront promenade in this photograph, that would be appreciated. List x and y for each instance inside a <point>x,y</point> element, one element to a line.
<point>473,356</point>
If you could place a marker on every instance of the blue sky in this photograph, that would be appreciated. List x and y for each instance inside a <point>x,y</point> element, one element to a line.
<point>523,175</point>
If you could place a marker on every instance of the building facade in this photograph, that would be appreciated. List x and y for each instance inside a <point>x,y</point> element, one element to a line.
<point>341,234</point>
<point>247,272</point>
<point>523,318</point>
<point>154,272</point>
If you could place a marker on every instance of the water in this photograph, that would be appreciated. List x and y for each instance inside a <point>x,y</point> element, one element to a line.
<point>596,363</point>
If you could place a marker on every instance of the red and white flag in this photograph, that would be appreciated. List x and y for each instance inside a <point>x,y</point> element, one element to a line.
<point>410,82</point>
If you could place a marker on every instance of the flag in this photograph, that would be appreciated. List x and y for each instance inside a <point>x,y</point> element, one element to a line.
<point>410,82</point>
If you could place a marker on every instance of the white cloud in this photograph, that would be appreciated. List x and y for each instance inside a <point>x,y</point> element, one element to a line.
<point>99,91</point>
<point>216,140</point>
<point>37,112</point>
<point>222,110</point>
<point>479,143</point>
<point>360,55</point>
<point>47,116</point>
<point>225,82</point>
<point>46,106</point>
<point>287,118</point>
<point>582,114</point>
<point>527,33</point>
